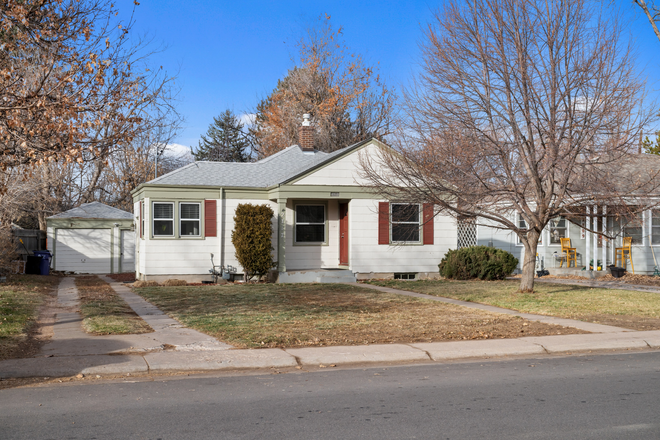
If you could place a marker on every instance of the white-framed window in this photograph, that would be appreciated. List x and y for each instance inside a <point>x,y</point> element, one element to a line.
<point>189,219</point>
<point>163,219</point>
<point>634,227</point>
<point>406,222</point>
<point>310,224</point>
<point>522,224</point>
<point>655,227</point>
<point>558,230</point>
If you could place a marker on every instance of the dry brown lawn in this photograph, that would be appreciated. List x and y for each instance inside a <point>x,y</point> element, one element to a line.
<point>301,315</point>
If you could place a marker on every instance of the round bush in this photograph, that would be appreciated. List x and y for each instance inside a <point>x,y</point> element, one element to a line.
<point>481,262</point>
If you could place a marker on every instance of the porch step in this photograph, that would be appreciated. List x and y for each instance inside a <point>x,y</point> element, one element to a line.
<point>318,276</point>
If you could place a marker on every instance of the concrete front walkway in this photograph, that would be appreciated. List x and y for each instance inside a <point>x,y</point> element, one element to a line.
<point>69,339</point>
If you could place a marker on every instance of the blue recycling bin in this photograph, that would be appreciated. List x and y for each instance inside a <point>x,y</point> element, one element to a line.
<point>44,267</point>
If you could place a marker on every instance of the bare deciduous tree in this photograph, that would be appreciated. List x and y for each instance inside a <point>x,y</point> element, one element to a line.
<point>652,13</point>
<point>71,82</point>
<point>523,108</point>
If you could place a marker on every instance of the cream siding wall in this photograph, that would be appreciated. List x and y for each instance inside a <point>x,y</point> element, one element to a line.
<point>174,256</point>
<point>345,171</point>
<point>313,256</point>
<point>366,255</point>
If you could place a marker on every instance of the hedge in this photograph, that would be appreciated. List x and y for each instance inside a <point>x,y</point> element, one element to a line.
<point>485,263</point>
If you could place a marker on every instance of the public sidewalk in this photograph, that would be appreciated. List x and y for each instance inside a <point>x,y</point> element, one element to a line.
<point>196,353</point>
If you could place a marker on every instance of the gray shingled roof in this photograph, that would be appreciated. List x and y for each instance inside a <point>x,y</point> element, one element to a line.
<point>265,173</point>
<point>95,210</point>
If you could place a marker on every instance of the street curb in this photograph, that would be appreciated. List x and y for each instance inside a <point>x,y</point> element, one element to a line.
<point>481,348</point>
<point>590,342</point>
<point>172,361</point>
<point>219,360</point>
<point>357,354</point>
<point>72,365</point>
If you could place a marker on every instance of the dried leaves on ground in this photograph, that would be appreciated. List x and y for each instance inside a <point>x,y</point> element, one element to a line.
<point>300,315</point>
<point>629,278</point>
<point>623,308</point>
<point>103,310</point>
<point>20,300</point>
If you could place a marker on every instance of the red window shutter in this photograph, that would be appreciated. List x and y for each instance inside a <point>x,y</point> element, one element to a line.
<point>383,223</point>
<point>141,218</point>
<point>428,223</point>
<point>210,222</point>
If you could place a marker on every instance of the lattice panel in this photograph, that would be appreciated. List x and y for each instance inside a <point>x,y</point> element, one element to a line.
<point>467,233</point>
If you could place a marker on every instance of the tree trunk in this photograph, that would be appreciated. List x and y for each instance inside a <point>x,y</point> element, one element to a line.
<point>529,262</point>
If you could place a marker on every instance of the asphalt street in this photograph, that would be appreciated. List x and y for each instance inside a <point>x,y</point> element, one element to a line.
<point>613,396</point>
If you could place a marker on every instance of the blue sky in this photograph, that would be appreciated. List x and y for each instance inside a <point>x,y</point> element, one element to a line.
<point>229,54</point>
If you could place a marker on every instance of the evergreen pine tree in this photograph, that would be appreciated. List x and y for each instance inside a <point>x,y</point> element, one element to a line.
<point>224,140</point>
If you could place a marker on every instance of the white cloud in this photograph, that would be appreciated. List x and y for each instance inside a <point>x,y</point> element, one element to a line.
<point>178,150</point>
<point>247,119</point>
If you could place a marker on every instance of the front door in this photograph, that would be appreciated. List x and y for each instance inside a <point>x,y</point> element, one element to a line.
<point>343,234</point>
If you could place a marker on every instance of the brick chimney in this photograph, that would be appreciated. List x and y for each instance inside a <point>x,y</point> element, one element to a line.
<point>306,135</point>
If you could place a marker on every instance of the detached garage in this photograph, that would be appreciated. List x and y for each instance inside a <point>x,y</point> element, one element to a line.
<point>93,238</point>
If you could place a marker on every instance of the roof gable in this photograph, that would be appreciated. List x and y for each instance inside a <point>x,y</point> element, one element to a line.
<point>282,167</point>
<point>342,169</point>
<point>95,210</point>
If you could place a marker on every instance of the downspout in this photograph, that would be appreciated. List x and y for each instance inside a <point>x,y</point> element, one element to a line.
<point>223,209</point>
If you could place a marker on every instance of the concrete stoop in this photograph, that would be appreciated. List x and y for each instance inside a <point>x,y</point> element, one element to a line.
<point>318,276</point>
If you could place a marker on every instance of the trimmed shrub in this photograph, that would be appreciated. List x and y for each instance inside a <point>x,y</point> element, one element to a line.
<point>252,238</point>
<point>485,263</point>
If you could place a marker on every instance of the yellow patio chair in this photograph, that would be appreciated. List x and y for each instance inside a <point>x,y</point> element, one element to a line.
<point>568,252</point>
<point>625,253</point>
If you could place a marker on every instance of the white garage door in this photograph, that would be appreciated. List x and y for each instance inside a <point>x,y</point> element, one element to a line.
<point>83,250</point>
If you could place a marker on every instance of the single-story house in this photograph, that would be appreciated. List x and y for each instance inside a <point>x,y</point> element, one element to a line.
<point>92,238</point>
<point>327,226</point>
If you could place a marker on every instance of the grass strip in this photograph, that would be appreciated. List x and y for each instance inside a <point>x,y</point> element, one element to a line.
<point>300,315</point>
<point>625,308</point>
<point>104,311</point>
<point>20,298</point>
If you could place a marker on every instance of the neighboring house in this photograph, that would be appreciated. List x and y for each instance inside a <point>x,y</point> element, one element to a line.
<point>92,238</point>
<point>327,227</point>
<point>644,229</point>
